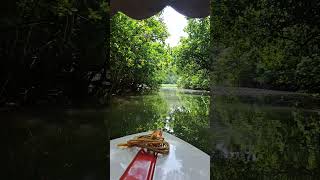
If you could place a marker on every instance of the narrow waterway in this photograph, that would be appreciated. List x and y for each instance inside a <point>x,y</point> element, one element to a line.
<point>247,132</point>
<point>270,135</point>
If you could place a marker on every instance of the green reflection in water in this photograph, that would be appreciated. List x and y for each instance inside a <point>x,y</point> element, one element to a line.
<point>260,141</point>
<point>261,137</point>
<point>179,113</point>
<point>247,137</point>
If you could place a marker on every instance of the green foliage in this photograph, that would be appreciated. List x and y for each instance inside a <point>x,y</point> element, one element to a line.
<point>53,51</point>
<point>192,55</point>
<point>169,70</point>
<point>307,73</point>
<point>137,52</point>
<point>265,44</point>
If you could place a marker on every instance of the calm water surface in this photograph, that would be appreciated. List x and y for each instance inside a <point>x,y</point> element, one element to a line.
<point>248,137</point>
<point>54,144</point>
<point>267,136</point>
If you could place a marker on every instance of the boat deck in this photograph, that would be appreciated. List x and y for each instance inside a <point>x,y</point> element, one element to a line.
<point>184,161</point>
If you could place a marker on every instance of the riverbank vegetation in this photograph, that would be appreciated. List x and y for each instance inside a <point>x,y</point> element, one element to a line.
<point>191,55</point>
<point>266,44</point>
<point>140,59</point>
<point>53,52</point>
<point>64,52</point>
<point>139,56</point>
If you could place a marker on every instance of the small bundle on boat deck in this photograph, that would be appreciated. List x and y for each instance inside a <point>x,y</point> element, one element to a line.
<point>152,142</point>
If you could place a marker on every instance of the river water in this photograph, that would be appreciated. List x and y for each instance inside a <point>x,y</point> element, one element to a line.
<point>248,135</point>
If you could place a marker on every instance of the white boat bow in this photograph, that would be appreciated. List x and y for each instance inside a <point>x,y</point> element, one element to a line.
<point>184,161</point>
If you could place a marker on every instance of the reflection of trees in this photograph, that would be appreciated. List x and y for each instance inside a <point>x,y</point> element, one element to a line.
<point>190,121</point>
<point>186,115</point>
<point>137,114</point>
<point>262,141</point>
<point>55,145</point>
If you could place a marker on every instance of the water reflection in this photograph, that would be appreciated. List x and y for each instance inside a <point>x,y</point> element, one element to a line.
<point>181,114</point>
<point>51,144</point>
<point>248,137</point>
<point>262,140</point>
<point>265,136</point>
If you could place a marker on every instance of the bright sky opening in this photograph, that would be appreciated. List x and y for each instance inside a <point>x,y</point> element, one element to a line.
<point>175,23</point>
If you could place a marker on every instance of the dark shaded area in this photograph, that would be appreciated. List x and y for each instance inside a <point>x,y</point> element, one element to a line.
<point>54,57</point>
<point>53,52</point>
<point>259,133</point>
<point>255,138</point>
<point>55,144</point>
<point>265,44</point>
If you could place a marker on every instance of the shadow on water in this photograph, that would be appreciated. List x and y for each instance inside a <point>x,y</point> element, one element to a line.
<point>55,144</point>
